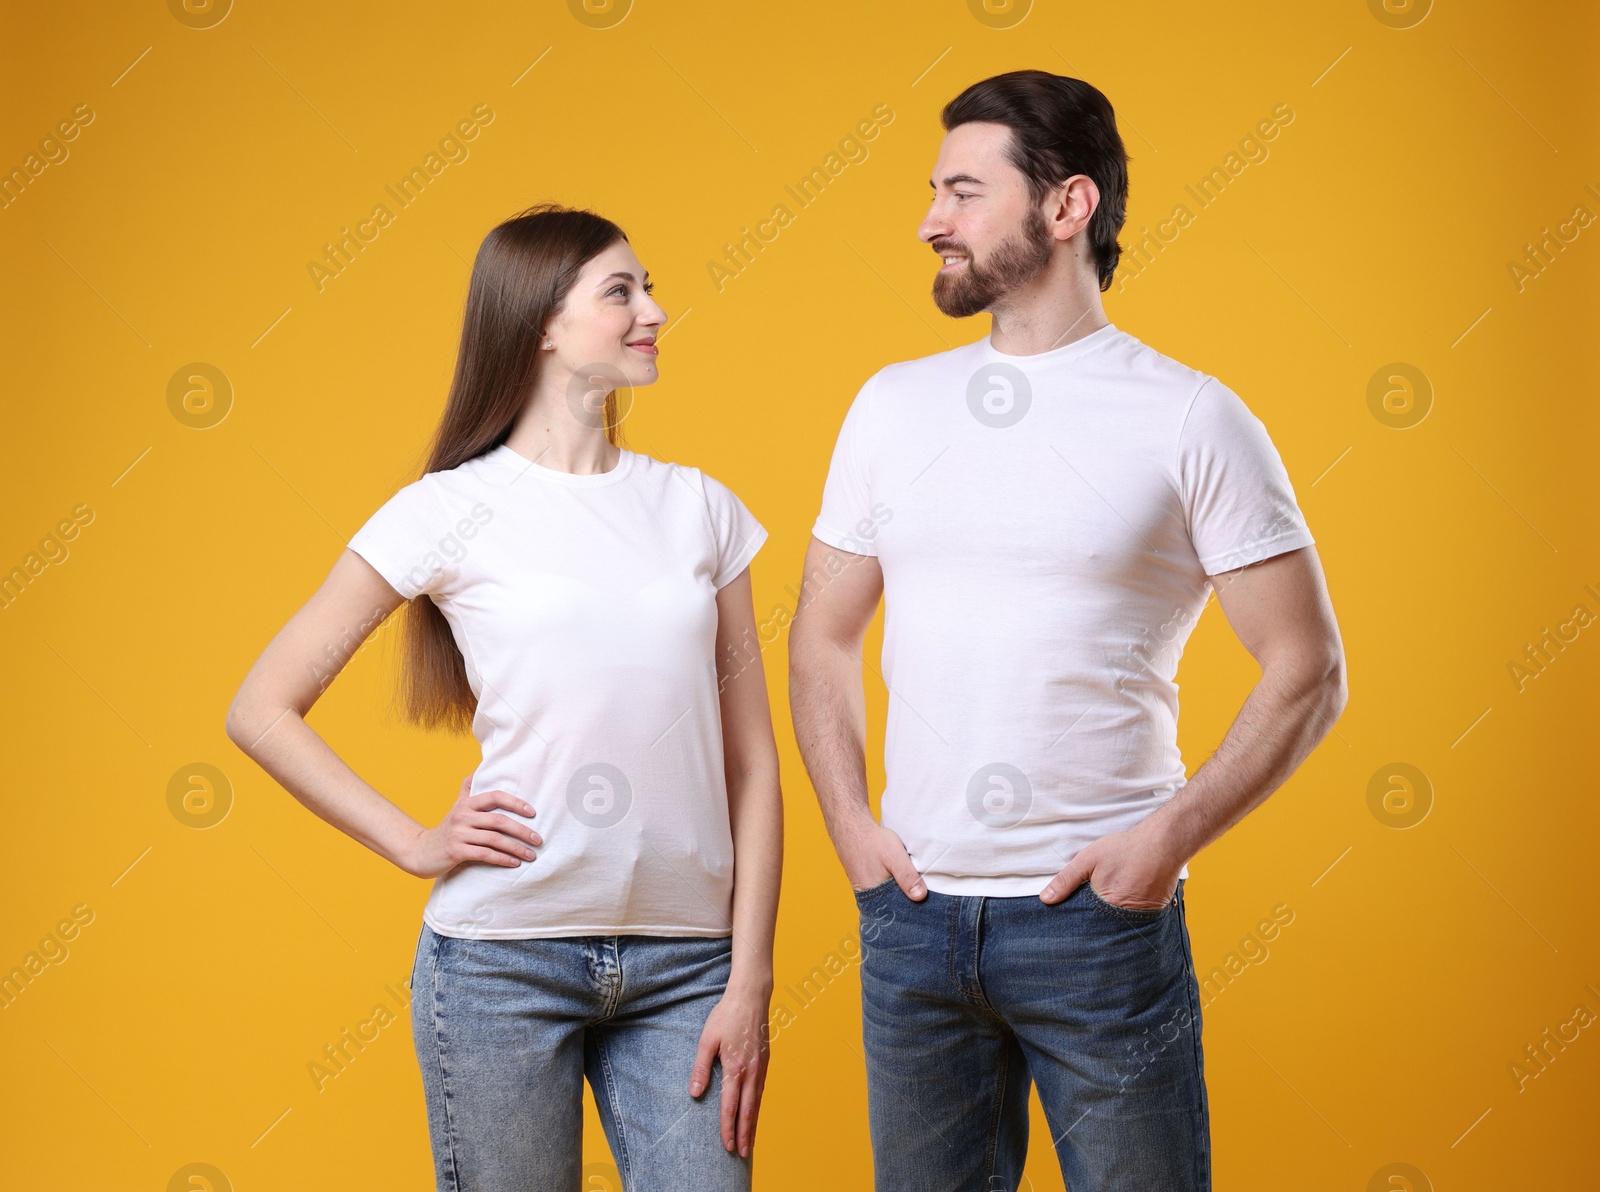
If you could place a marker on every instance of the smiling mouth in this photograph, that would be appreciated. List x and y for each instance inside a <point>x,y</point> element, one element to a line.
<point>645,346</point>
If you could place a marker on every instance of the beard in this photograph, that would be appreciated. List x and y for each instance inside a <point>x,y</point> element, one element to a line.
<point>1013,264</point>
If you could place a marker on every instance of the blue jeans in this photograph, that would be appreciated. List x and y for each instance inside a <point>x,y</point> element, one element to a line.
<point>967,1001</point>
<point>506,1031</point>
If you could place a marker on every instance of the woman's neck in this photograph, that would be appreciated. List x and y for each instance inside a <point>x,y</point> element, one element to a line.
<point>555,439</point>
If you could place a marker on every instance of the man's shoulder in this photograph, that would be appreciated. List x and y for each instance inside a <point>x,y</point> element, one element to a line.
<point>1140,360</point>
<point>919,370</point>
<point>1147,386</point>
<point>1122,354</point>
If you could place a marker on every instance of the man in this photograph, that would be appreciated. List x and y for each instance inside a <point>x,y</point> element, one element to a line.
<point>1045,512</point>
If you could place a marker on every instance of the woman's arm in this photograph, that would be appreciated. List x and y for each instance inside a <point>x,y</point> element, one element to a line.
<point>737,1028</point>
<point>267,721</point>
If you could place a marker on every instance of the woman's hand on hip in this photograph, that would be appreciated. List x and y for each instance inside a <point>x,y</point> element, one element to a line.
<point>472,831</point>
<point>737,1031</point>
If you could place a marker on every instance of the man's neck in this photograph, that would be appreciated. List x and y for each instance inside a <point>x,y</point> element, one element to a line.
<point>1059,306</point>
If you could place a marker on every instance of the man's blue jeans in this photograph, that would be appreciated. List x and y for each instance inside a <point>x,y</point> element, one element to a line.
<point>506,1031</point>
<point>967,1001</point>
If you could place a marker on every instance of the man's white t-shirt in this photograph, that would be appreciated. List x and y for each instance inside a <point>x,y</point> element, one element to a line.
<point>1046,526</point>
<point>584,607</point>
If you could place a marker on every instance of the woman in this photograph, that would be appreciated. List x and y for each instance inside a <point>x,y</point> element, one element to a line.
<point>587,611</point>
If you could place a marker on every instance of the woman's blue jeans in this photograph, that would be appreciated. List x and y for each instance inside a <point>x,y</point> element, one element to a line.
<point>967,1001</point>
<point>507,1030</point>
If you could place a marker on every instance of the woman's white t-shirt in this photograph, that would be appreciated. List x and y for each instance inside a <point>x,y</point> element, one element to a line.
<point>584,606</point>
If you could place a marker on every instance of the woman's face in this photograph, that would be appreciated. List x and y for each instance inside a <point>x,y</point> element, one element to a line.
<point>607,326</point>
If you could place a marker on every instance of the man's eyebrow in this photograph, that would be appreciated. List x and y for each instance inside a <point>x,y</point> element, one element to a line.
<point>955,178</point>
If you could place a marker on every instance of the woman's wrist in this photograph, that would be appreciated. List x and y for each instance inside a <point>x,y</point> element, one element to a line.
<point>400,842</point>
<point>752,980</point>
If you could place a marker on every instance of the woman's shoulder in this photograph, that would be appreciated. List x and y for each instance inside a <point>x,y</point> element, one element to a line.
<point>734,533</point>
<point>444,495</point>
<point>668,473</point>
<point>486,473</point>
<point>682,478</point>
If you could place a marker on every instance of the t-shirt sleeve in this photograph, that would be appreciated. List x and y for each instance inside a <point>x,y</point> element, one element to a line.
<point>847,492</point>
<point>736,535</point>
<point>402,541</point>
<point>1236,493</point>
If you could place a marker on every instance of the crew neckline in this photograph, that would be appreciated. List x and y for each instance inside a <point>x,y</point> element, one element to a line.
<point>1077,347</point>
<point>518,465</point>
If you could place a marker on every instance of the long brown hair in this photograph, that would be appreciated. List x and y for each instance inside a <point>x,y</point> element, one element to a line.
<point>524,271</point>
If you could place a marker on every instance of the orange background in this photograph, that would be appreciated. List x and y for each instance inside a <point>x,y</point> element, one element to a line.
<point>1375,238</point>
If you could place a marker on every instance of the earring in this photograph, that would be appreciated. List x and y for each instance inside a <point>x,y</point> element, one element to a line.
<point>548,344</point>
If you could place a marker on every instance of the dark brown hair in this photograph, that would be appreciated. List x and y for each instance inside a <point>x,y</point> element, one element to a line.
<point>1060,127</point>
<point>523,273</point>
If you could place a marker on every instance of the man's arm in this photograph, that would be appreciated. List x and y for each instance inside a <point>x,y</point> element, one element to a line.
<point>1280,610</point>
<point>839,594</point>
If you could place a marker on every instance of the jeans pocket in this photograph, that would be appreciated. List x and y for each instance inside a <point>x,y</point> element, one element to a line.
<point>1132,913</point>
<point>870,892</point>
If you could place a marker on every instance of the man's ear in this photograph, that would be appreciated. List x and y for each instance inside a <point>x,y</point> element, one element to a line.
<point>1069,205</point>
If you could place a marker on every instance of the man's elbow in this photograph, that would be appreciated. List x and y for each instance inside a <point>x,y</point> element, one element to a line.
<point>1313,679</point>
<point>802,647</point>
<point>817,663</point>
<point>818,640</point>
<point>1334,684</point>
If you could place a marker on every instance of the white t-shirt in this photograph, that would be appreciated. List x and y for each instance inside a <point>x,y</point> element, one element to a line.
<point>1046,525</point>
<point>585,609</point>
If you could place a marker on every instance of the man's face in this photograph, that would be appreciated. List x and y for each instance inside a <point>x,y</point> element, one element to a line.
<point>982,221</point>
